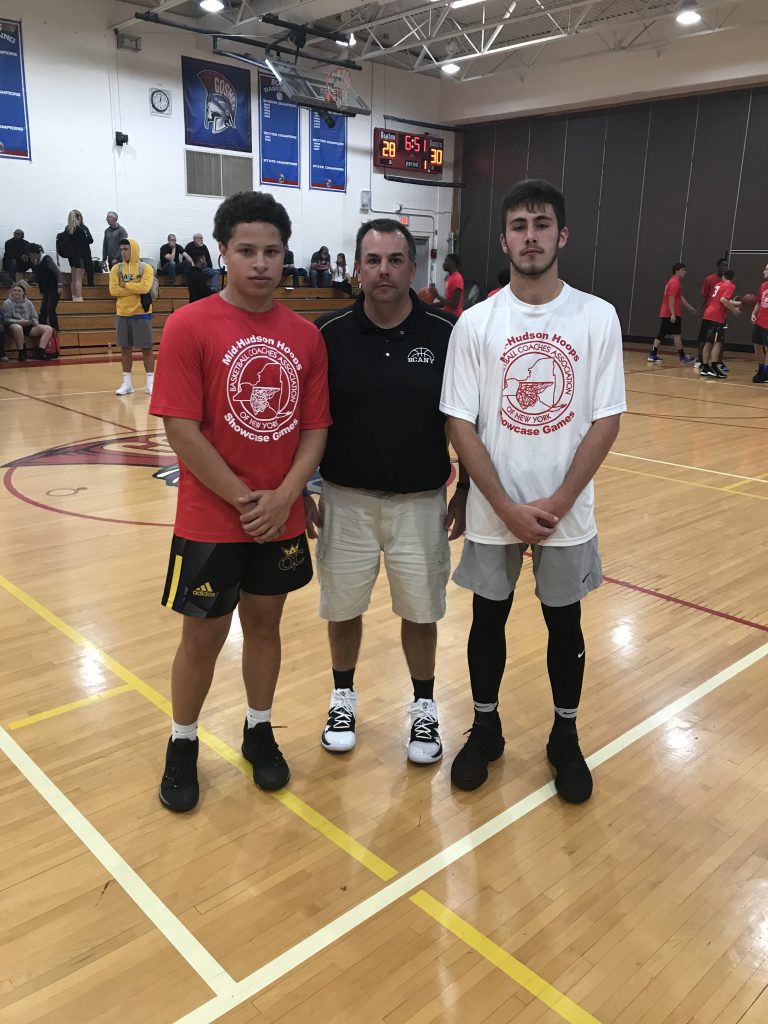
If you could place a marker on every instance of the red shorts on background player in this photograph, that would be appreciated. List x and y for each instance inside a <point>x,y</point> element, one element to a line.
<point>242,387</point>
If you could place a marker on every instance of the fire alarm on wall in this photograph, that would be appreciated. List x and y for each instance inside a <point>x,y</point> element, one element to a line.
<point>433,254</point>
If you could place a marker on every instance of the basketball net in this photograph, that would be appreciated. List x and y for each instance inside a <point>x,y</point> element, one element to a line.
<point>337,86</point>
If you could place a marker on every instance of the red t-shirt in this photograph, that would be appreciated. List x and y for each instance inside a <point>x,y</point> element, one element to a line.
<point>761,317</point>
<point>710,281</point>
<point>253,381</point>
<point>715,310</point>
<point>455,283</point>
<point>673,289</point>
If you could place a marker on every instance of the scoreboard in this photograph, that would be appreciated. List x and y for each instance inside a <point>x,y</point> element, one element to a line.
<point>405,151</point>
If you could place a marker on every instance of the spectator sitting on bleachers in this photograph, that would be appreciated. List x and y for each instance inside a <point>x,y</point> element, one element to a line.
<point>114,234</point>
<point>21,323</point>
<point>173,260</point>
<point>195,249</point>
<point>340,277</point>
<point>320,268</point>
<point>198,281</point>
<point>48,278</point>
<point>16,255</point>
<point>289,267</point>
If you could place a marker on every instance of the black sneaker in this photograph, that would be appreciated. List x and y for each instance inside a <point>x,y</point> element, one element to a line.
<point>485,744</point>
<point>760,378</point>
<point>270,770</point>
<point>715,371</point>
<point>573,779</point>
<point>179,790</point>
<point>22,355</point>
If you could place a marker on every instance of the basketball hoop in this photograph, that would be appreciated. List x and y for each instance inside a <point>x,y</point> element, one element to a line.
<point>337,86</point>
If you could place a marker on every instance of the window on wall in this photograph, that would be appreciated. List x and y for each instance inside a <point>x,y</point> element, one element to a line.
<point>217,174</point>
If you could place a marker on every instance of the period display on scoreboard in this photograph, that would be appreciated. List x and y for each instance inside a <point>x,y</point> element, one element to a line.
<point>405,151</point>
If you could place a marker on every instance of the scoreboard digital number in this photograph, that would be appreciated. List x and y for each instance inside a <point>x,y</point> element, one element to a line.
<point>407,152</point>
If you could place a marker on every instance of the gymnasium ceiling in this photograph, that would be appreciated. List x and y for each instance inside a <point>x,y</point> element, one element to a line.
<point>482,38</point>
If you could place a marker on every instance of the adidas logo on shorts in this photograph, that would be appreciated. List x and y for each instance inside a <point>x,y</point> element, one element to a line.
<point>204,590</point>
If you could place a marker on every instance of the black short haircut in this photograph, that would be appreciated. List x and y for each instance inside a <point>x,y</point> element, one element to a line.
<point>452,256</point>
<point>723,261</point>
<point>246,208</point>
<point>678,266</point>
<point>385,226</point>
<point>729,275</point>
<point>533,194</point>
<point>34,247</point>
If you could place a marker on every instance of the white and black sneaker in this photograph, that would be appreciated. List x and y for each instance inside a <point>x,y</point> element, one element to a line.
<point>424,746</point>
<point>339,732</point>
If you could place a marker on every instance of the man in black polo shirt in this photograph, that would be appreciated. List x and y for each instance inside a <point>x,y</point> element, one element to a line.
<point>384,474</point>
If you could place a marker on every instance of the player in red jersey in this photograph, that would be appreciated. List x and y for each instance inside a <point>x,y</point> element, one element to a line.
<point>453,300</point>
<point>671,316</point>
<point>242,386</point>
<point>720,304</point>
<point>760,331</point>
<point>707,287</point>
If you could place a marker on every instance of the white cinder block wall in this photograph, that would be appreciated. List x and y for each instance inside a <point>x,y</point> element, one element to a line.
<point>81,89</point>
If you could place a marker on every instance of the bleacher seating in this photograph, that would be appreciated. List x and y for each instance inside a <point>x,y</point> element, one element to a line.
<point>88,327</point>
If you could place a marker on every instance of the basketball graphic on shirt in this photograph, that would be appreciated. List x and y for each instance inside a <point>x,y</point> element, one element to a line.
<point>538,382</point>
<point>263,389</point>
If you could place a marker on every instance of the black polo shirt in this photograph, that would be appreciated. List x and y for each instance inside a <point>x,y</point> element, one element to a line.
<point>388,433</point>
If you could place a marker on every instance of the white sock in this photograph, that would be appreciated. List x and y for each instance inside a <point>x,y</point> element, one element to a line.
<point>150,378</point>
<point>183,732</point>
<point>126,377</point>
<point>255,717</point>
<point>485,709</point>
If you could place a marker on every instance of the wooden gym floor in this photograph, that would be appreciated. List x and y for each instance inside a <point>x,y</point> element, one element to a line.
<point>368,891</point>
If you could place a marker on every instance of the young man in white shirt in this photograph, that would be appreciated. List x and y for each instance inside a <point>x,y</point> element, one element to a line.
<point>533,391</point>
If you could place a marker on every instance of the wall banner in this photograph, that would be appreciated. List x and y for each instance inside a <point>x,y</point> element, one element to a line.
<point>217,105</point>
<point>327,153</point>
<point>279,130</point>
<point>14,117</point>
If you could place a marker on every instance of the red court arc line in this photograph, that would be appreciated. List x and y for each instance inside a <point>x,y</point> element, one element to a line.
<point>12,489</point>
<point>683,603</point>
<point>66,408</point>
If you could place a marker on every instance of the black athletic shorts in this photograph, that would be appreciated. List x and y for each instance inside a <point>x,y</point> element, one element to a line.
<point>760,335</point>
<point>712,330</point>
<point>204,580</point>
<point>667,328</point>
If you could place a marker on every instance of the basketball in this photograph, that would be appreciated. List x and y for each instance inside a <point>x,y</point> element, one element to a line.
<point>748,301</point>
<point>427,295</point>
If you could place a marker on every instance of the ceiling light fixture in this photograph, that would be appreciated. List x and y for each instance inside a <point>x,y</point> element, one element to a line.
<point>212,6</point>
<point>688,14</point>
<point>451,69</point>
<point>351,41</point>
<point>465,3</point>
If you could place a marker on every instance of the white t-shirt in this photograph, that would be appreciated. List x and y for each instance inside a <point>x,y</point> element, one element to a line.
<point>534,379</point>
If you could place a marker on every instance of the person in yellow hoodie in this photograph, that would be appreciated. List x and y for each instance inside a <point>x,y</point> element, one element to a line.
<point>129,281</point>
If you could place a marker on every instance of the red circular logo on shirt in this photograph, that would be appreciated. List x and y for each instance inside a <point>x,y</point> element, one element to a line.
<point>538,383</point>
<point>263,389</point>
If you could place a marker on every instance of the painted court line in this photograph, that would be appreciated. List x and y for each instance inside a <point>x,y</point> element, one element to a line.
<point>682,483</point>
<point>62,709</point>
<point>404,884</point>
<point>177,934</point>
<point>695,469</point>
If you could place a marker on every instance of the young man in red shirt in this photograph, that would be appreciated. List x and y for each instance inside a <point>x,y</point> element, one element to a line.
<point>760,331</point>
<point>720,304</point>
<point>671,316</point>
<point>243,391</point>
<point>453,300</point>
<point>707,288</point>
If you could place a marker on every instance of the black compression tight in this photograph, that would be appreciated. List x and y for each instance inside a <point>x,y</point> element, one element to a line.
<point>487,650</point>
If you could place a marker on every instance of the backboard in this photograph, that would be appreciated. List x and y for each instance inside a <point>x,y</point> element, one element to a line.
<point>321,89</point>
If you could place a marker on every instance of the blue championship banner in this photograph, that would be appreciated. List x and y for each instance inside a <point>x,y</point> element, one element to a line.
<point>279,130</point>
<point>217,105</point>
<point>14,119</point>
<point>327,153</point>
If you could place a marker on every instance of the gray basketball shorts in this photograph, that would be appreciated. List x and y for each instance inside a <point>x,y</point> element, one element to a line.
<point>563,575</point>
<point>133,332</point>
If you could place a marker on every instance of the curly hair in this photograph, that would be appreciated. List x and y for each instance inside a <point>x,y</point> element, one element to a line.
<point>247,207</point>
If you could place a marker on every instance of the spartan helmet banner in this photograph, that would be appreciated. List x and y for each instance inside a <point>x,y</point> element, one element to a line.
<point>217,105</point>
